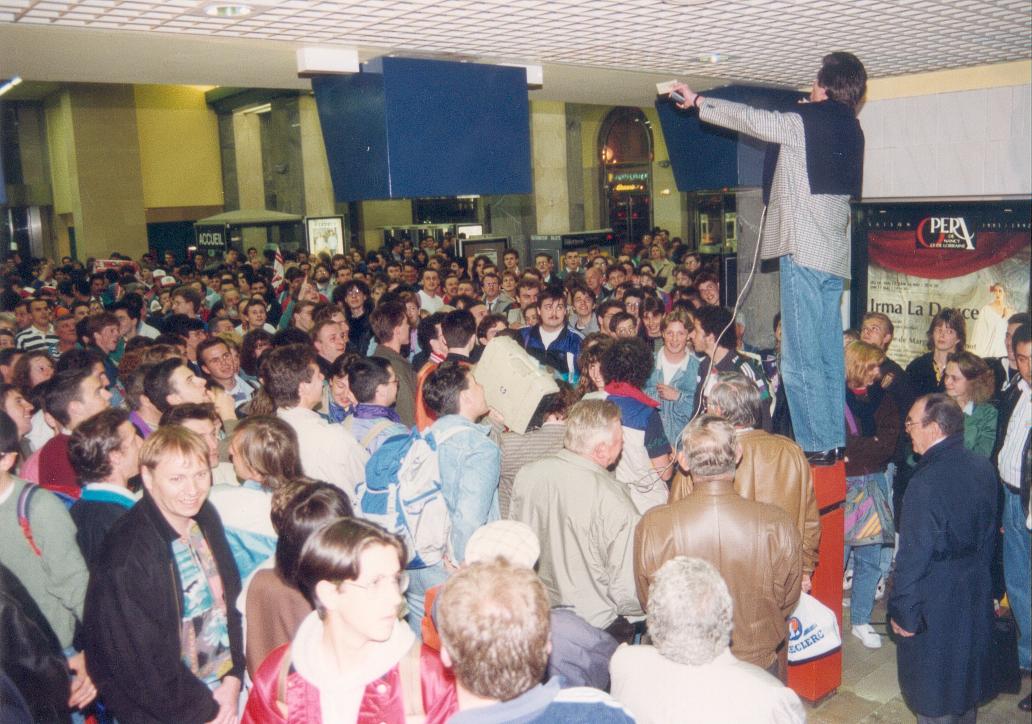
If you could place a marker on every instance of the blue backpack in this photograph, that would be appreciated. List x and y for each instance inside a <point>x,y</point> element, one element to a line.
<point>402,492</point>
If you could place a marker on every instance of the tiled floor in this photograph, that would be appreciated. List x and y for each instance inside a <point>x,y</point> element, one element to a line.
<point>870,691</point>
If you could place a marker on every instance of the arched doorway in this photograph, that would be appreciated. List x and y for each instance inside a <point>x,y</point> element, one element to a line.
<point>625,148</point>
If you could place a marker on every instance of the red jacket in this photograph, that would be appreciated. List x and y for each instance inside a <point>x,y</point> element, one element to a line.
<point>382,702</point>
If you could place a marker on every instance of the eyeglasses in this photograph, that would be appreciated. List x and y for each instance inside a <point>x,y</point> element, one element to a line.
<point>383,584</point>
<point>908,424</point>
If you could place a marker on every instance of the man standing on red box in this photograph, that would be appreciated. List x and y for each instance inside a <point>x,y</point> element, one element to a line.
<point>817,167</point>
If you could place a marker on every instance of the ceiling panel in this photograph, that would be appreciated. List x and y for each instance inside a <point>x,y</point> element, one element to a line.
<point>768,41</point>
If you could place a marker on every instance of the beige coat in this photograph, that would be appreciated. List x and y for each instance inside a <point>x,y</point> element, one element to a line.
<point>585,522</point>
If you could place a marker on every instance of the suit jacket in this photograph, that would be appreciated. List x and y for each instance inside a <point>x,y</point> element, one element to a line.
<point>755,546</point>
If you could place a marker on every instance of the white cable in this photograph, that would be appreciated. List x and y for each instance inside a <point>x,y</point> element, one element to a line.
<point>734,313</point>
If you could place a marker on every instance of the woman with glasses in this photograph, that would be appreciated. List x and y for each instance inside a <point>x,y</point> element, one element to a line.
<point>872,429</point>
<point>353,658</point>
<point>355,296</point>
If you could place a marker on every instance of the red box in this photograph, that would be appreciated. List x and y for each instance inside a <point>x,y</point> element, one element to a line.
<point>816,679</point>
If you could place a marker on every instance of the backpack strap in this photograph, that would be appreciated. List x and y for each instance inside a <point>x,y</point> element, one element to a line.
<point>24,498</point>
<point>281,683</point>
<point>375,430</point>
<point>410,674</point>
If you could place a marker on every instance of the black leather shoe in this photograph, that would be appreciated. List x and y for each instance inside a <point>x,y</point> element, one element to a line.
<point>1026,703</point>
<point>825,457</point>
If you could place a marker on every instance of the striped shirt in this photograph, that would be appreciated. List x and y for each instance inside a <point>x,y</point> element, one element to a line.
<point>1008,459</point>
<point>31,339</point>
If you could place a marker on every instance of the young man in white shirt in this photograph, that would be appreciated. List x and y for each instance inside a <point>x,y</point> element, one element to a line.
<point>293,380</point>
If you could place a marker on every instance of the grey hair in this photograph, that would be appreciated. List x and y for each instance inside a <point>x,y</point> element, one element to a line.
<point>690,611</point>
<point>944,412</point>
<point>709,446</point>
<point>738,399</point>
<point>589,423</point>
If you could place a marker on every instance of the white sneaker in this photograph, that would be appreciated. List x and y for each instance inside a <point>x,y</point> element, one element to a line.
<point>879,592</point>
<point>868,636</point>
<point>847,580</point>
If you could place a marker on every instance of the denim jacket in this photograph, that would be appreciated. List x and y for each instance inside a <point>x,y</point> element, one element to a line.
<point>470,465</point>
<point>675,414</point>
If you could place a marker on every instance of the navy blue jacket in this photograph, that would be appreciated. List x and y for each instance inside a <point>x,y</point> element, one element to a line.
<point>942,586</point>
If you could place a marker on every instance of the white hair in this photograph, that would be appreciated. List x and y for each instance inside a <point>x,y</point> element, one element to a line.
<point>689,611</point>
<point>589,424</point>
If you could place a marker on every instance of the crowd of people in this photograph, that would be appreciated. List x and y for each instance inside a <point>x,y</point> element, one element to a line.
<point>190,456</point>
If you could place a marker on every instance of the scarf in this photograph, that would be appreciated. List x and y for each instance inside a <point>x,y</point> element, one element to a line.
<point>863,406</point>
<point>622,389</point>
<point>365,411</point>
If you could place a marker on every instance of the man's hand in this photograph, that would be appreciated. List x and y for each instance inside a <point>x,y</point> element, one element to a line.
<point>227,696</point>
<point>807,584</point>
<point>225,405</point>
<point>687,93</point>
<point>900,631</point>
<point>666,392</point>
<point>83,690</point>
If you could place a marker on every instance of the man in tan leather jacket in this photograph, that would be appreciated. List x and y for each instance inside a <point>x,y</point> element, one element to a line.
<point>755,546</point>
<point>773,468</point>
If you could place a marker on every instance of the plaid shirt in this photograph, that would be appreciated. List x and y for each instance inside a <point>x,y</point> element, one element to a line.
<point>813,228</point>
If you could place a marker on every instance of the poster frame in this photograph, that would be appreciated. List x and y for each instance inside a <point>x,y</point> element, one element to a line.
<point>333,223</point>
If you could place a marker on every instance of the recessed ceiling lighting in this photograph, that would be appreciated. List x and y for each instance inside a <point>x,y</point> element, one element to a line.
<point>223,10</point>
<point>714,58</point>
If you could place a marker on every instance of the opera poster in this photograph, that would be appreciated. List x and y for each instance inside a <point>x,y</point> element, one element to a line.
<point>982,270</point>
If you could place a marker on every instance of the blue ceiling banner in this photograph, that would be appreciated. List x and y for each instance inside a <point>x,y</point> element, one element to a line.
<point>407,128</point>
<point>705,157</point>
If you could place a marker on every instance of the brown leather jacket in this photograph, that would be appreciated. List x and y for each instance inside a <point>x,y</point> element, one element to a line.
<point>755,546</point>
<point>774,470</point>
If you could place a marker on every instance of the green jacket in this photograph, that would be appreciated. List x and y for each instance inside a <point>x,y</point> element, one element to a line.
<point>56,579</point>
<point>980,428</point>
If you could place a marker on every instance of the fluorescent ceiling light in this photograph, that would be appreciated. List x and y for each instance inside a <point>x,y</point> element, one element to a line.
<point>228,10</point>
<point>8,85</point>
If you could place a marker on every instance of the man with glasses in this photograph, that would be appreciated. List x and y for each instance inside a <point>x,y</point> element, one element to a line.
<point>941,607</point>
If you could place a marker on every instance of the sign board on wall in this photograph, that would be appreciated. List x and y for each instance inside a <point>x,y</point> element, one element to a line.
<point>211,237</point>
<point>974,260</point>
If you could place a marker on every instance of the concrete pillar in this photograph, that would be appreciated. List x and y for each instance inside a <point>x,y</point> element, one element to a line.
<point>319,199</point>
<point>247,137</point>
<point>763,299</point>
<point>548,160</point>
<point>95,170</point>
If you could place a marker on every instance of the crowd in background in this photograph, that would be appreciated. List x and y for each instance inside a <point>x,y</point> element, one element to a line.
<point>187,449</point>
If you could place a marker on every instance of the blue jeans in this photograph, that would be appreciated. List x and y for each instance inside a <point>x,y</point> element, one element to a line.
<point>866,571</point>
<point>812,362</point>
<point>1017,557</point>
<point>421,580</point>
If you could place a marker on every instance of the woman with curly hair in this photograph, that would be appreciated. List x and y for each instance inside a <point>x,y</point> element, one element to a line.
<point>969,381</point>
